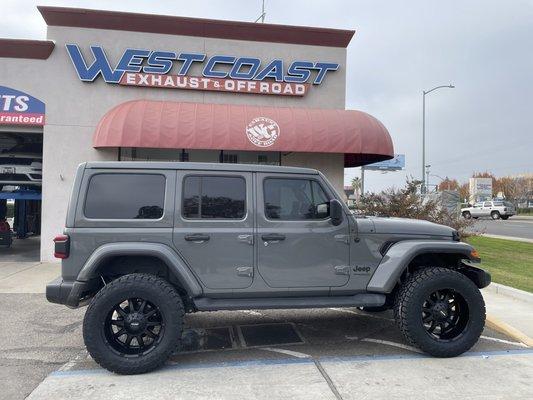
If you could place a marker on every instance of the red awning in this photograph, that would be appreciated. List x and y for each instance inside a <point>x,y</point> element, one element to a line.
<point>174,125</point>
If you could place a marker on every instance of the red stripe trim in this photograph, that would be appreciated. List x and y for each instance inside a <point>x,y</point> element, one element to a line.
<point>18,48</point>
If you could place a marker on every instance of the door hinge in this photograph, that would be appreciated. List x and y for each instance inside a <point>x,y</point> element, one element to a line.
<point>342,270</point>
<point>343,238</point>
<point>246,239</point>
<point>245,271</point>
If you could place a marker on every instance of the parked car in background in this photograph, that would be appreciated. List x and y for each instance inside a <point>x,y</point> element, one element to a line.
<point>495,209</point>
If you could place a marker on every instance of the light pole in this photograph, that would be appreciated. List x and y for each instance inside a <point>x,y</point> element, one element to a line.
<point>426,183</point>
<point>424,92</point>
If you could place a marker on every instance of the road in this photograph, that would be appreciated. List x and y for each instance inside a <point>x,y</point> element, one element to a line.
<point>521,227</point>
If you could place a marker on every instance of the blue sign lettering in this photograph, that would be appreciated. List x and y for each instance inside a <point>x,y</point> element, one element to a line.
<point>162,62</point>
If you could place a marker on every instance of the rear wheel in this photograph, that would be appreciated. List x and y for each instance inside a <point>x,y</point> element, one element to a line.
<point>133,324</point>
<point>467,215</point>
<point>495,215</point>
<point>440,311</point>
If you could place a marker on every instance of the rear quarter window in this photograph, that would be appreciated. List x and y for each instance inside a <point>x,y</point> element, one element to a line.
<point>125,196</point>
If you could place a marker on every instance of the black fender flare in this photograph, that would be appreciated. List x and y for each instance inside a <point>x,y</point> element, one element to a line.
<point>400,255</point>
<point>173,260</point>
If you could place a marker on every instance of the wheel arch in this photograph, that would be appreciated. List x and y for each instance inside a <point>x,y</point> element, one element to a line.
<point>408,256</point>
<point>121,258</point>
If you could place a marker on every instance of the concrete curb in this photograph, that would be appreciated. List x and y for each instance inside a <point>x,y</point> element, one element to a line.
<point>511,292</point>
<point>513,238</point>
<point>506,329</point>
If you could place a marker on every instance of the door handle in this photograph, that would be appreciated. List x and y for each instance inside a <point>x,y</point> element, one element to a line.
<point>273,237</point>
<point>197,238</point>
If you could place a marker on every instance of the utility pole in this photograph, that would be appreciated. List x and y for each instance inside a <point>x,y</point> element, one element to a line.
<point>263,14</point>
<point>427,177</point>
<point>424,92</point>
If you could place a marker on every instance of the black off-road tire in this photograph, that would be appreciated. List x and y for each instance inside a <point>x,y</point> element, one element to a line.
<point>145,286</point>
<point>495,215</point>
<point>505,217</point>
<point>408,310</point>
<point>467,215</point>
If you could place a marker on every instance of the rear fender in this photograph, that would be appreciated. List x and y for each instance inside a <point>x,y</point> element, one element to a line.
<point>174,262</point>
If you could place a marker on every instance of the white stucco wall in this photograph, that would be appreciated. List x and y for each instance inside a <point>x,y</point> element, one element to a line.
<point>74,108</point>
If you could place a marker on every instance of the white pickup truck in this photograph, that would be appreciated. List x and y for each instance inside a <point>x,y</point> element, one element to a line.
<point>495,209</point>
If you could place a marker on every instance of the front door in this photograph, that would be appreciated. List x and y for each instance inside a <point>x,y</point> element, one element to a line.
<point>297,245</point>
<point>213,229</point>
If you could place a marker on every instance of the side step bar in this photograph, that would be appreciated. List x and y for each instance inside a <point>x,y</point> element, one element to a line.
<point>358,300</point>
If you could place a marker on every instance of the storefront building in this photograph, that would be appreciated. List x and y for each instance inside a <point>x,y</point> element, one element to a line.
<point>122,86</point>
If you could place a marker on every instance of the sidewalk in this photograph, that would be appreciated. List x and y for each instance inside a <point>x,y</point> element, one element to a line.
<point>513,238</point>
<point>513,312</point>
<point>27,277</point>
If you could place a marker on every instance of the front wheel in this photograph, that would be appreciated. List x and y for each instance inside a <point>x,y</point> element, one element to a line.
<point>467,215</point>
<point>505,217</point>
<point>133,324</point>
<point>495,215</point>
<point>441,311</point>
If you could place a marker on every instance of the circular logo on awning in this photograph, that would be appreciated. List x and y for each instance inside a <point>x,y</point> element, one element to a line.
<point>262,131</point>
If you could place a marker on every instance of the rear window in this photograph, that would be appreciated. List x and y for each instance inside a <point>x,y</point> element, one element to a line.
<point>125,196</point>
<point>214,197</point>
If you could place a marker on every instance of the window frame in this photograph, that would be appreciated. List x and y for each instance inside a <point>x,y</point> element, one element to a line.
<point>328,196</point>
<point>88,186</point>
<point>202,175</point>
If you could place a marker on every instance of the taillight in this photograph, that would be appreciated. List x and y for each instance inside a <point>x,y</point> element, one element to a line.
<point>61,246</point>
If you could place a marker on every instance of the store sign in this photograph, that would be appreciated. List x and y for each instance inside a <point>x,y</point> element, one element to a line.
<point>147,68</point>
<point>19,108</point>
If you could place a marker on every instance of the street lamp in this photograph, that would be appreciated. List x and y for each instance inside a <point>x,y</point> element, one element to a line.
<point>424,92</point>
<point>426,183</point>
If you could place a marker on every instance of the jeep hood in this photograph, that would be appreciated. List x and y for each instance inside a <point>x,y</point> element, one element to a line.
<point>402,226</point>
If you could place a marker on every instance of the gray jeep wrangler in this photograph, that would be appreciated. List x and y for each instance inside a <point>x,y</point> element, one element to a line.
<point>146,242</point>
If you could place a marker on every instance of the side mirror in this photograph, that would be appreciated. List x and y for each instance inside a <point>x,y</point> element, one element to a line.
<point>336,212</point>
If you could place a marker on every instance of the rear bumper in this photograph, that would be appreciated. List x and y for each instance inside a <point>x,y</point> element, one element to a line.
<point>66,292</point>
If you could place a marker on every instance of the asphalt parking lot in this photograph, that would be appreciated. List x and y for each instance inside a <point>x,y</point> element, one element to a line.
<point>321,353</point>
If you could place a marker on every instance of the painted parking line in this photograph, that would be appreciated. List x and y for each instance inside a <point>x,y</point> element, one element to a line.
<point>300,360</point>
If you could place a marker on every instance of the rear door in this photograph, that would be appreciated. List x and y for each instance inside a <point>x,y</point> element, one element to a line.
<point>487,208</point>
<point>213,229</point>
<point>476,211</point>
<point>297,244</point>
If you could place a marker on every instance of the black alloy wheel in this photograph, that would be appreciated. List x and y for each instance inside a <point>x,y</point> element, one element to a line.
<point>134,323</point>
<point>445,314</point>
<point>134,327</point>
<point>440,310</point>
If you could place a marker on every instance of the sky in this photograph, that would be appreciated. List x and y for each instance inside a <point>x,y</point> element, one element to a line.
<point>483,47</point>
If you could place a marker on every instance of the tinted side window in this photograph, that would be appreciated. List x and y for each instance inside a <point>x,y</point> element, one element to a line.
<point>214,197</point>
<point>488,204</point>
<point>125,196</point>
<point>294,199</point>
